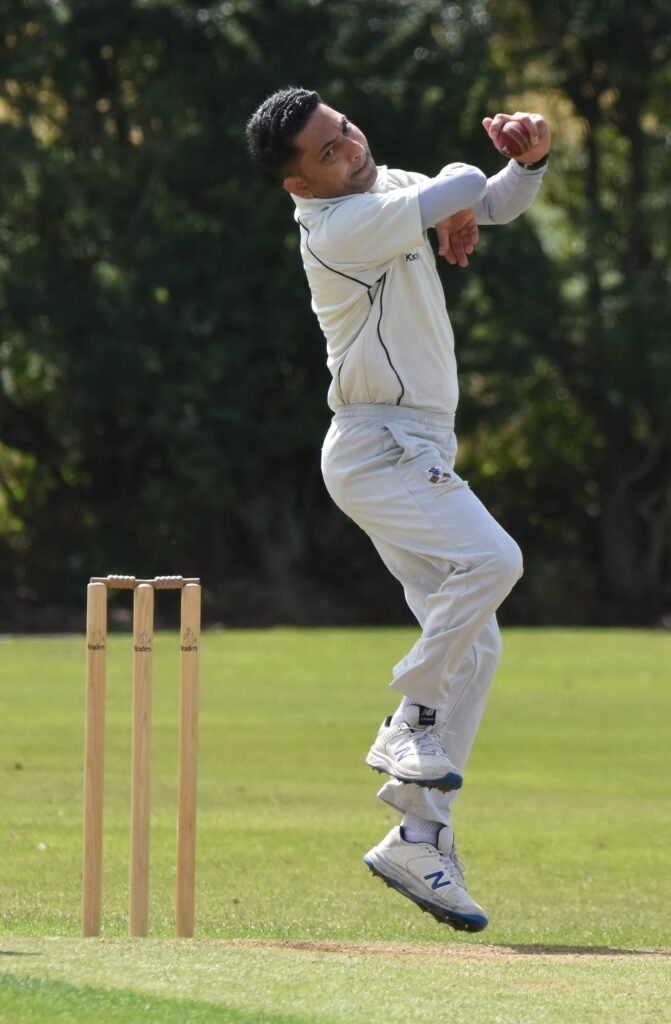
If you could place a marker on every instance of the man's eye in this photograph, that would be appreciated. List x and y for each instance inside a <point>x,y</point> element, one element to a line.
<point>345,127</point>
<point>329,153</point>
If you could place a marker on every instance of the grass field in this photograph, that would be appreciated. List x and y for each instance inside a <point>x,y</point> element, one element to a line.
<point>564,822</point>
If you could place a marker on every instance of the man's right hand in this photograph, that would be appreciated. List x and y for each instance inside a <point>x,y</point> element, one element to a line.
<point>537,128</point>
<point>457,237</point>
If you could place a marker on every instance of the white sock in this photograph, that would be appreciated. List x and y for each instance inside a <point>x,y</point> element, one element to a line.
<point>416,715</point>
<point>418,830</point>
<point>398,718</point>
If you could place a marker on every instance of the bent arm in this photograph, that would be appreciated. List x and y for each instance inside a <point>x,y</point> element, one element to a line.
<point>509,193</point>
<point>457,187</point>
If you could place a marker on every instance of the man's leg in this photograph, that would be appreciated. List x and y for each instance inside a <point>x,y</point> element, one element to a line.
<point>442,544</point>
<point>457,730</point>
<point>433,533</point>
<point>460,717</point>
<point>419,859</point>
<point>456,565</point>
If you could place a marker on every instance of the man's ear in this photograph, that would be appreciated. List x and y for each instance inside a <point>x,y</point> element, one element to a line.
<point>298,187</point>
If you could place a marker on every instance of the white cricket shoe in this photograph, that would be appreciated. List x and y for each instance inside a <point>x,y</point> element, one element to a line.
<point>413,755</point>
<point>430,876</point>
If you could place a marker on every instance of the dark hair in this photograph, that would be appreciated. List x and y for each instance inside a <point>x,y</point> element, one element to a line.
<point>272,128</point>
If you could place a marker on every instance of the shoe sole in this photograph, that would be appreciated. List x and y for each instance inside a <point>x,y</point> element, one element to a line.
<point>446,784</point>
<point>460,922</point>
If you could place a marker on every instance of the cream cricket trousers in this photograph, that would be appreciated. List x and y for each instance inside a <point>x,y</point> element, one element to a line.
<point>391,470</point>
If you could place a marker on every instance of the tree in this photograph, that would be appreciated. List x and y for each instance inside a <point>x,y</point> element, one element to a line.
<point>604,68</point>
<point>162,379</point>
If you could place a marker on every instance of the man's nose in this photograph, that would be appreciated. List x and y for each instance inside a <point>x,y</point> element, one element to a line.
<point>355,149</point>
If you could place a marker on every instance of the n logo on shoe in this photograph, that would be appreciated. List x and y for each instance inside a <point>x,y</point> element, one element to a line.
<point>437,876</point>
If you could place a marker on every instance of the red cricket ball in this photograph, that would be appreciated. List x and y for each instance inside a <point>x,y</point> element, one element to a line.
<point>513,139</point>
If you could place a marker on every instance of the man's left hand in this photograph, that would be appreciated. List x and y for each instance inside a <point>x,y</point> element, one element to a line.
<point>457,237</point>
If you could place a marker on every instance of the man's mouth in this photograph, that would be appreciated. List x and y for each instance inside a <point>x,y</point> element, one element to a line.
<point>364,166</point>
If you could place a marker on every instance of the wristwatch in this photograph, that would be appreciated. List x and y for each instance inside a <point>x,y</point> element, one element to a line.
<point>536,166</point>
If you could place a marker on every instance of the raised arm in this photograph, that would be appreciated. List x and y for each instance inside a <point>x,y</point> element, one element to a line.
<point>512,191</point>
<point>445,203</point>
<point>508,193</point>
<point>457,187</point>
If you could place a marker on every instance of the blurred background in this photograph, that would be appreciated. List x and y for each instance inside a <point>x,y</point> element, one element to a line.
<point>162,377</point>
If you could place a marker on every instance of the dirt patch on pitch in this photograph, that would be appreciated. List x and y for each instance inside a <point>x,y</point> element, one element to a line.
<point>447,951</point>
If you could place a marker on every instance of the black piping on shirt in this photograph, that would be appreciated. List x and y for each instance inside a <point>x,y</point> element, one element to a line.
<point>381,281</point>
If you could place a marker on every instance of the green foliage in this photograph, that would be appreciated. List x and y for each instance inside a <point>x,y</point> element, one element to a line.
<point>604,67</point>
<point>162,378</point>
<point>154,342</point>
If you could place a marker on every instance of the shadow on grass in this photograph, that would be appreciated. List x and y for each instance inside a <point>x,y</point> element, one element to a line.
<point>32,999</point>
<point>17,952</point>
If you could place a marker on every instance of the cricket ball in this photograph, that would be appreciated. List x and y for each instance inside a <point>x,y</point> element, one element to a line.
<point>513,139</point>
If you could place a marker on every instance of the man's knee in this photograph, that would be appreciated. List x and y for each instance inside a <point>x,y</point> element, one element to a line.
<point>509,561</point>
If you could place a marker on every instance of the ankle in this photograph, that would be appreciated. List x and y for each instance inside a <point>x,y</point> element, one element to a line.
<point>417,716</point>
<point>419,830</point>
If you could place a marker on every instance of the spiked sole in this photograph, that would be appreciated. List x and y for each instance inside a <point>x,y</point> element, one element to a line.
<point>446,784</point>
<point>460,922</point>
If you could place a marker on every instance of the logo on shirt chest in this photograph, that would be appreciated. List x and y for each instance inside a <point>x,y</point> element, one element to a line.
<point>410,257</point>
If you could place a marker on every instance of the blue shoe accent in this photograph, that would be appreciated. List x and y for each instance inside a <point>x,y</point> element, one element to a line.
<point>438,877</point>
<point>445,784</point>
<point>460,922</point>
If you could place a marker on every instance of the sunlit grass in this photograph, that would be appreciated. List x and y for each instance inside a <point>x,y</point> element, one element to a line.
<point>564,822</point>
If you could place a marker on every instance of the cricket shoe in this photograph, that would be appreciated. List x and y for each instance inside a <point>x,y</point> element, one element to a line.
<point>430,876</point>
<point>413,755</point>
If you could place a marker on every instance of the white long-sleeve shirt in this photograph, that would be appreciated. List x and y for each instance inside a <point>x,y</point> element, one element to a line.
<point>375,287</point>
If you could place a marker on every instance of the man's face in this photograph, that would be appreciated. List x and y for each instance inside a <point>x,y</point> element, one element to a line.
<point>334,158</point>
